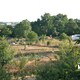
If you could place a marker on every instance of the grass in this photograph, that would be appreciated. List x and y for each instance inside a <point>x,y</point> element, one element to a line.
<point>34,55</point>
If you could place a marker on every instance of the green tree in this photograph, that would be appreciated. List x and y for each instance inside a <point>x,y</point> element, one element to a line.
<point>11,28</point>
<point>59,23</point>
<point>36,25</point>
<point>64,68</point>
<point>5,31</point>
<point>6,54</point>
<point>43,37</point>
<point>43,26</point>
<point>50,25</point>
<point>71,27</point>
<point>47,24</point>
<point>22,29</point>
<point>69,54</point>
<point>78,23</point>
<point>32,36</point>
<point>64,36</point>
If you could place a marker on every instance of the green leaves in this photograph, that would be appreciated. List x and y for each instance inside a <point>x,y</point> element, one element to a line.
<point>22,29</point>
<point>5,31</point>
<point>32,36</point>
<point>64,68</point>
<point>6,53</point>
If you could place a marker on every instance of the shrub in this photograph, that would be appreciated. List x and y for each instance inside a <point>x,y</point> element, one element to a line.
<point>63,36</point>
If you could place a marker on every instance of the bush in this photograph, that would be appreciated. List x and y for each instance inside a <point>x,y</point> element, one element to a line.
<point>48,43</point>
<point>64,68</point>
<point>6,54</point>
<point>32,37</point>
<point>63,36</point>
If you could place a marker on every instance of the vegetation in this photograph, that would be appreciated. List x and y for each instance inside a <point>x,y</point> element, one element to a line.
<point>56,25</point>
<point>32,37</point>
<point>64,67</point>
<point>63,36</point>
<point>48,25</point>
<point>6,54</point>
<point>22,29</point>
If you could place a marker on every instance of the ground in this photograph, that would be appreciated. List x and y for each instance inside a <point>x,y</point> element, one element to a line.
<point>42,55</point>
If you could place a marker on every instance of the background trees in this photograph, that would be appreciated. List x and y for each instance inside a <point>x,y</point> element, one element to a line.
<point>59,26</point>
<point>71,27</point>
<point>22,29</point>
<point>59,23</point>
<point>56,25</point>
<point>49,25</point>
<point>5,31</point>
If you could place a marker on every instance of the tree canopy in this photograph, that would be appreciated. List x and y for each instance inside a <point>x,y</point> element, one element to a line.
<point>32,36</point>
<point>6,54</point>
<point>22,29</point>
<point>56,25</point>
<point>48,24</point>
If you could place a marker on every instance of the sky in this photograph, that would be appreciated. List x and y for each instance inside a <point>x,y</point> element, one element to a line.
<point>18,10</point>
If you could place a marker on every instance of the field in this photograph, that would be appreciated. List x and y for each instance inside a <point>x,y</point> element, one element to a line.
<point>36,55</point>
<point>41,50</point>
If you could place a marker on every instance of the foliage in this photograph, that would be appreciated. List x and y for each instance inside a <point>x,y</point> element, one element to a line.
<point>49,25</point>
<point>22,68</point>
<point>6,54</point>
<point>71,27</point>
<point>48,43</point>
<point>69,53</point>
<point>78,41</point>
<point>44,25</point>
<point>32,36</point>
<point>43,37</point>
<point>22,29</point>
<point>3,74</point>
<point>47,72</point>
<point>64,68</point>
<point>5,31</point>
<point>56,25</point>
<point>64,36</point>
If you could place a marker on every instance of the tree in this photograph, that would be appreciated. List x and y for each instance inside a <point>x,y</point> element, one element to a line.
<point>43,37</point>
<point>64,68</point>
<point>64,36</point>
<point>78,23</point>
<point>6,54</point>
<point>71,27</point>
<point>59,23</point>
<point>22,29</point>
<point>50,25</point>
<point>5,31</point>
<point>43,26</point>
<point>11,28</point>
<point>32,36</point>
<point>47,24</point>
<point>36,25</point>
<point>69,54</point>
<point>3,74</point>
